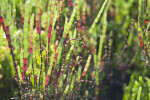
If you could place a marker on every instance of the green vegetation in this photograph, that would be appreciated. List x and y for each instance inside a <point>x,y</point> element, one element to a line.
<point>74,49</point>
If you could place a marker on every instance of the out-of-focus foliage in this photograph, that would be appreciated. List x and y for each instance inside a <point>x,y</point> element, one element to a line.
<point>87,60</point>
<point>138,88</point>
<point>8,87</point>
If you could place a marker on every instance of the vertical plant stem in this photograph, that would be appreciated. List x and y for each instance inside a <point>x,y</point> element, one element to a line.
<point>7,33</point>
<point>38,21</point>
